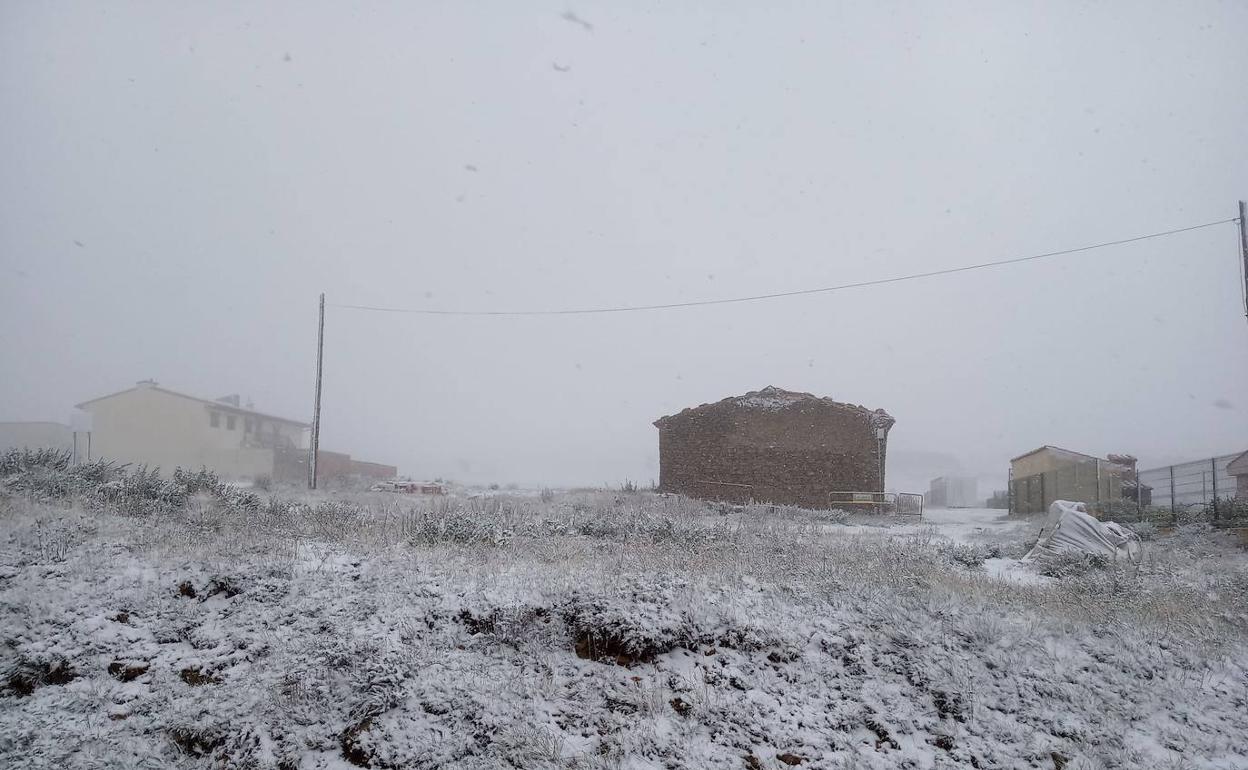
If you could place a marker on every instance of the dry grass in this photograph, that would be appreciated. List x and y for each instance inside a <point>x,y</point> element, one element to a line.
<point>350,607</point>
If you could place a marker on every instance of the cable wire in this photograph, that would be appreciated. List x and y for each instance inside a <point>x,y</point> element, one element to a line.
<point>778,295</point>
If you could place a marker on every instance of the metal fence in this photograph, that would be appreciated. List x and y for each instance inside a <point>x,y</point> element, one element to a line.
<point>901,503</point>
<point>1187,485</point>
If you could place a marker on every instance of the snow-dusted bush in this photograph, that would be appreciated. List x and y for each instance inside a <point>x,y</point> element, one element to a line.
<point>1008,550</point>
<point>966,554</point>
<point>1227,508</point>
<point>15,461</point>
<point>47,474</point>
<point>454,524</point>
<point>1144,530</point>
<point>55,539</point>
<point>329,519</point>
<point>635,622</point>
<point>1115,510</point>
<point>639,517</point>
<point>1073,564</point>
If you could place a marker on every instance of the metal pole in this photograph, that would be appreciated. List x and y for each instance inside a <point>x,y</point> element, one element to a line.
<point>316,407</point>
<point>1243,247</point>
<point>1139,491</point>
<point>1213,465</point>
<point>1173,503</point>
<point>1009,492</point>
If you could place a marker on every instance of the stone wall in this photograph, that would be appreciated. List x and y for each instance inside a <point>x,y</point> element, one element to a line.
<point>793,454</point>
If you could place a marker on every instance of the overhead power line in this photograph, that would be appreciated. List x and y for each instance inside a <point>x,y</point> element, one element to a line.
<point>778,295</point>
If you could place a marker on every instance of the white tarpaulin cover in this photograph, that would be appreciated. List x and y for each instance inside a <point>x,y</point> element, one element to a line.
<point>1070,529</point>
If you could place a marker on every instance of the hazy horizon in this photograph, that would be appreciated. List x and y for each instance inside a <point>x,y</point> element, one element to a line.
<point>182,181</point>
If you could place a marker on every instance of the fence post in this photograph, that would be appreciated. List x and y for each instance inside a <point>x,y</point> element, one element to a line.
<point>1213,464</point>
<point>1139,492</point>
<point>1009,493</point>
<point>1174,511</point>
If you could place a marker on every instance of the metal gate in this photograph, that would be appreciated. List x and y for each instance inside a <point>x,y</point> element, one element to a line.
<point>899,503</point>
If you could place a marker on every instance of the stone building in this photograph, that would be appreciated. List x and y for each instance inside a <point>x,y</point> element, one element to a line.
<point>773,445</point>
<point>1052,473</point>
<point>1238,470</point>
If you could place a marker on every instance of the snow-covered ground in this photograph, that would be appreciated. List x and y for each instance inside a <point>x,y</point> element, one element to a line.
<point>601,630</point>
<point>963,525</point>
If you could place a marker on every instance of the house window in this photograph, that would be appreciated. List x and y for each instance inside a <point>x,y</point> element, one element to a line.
<point>247,425</point>
<point>214,419</point>
<point>229,422</point>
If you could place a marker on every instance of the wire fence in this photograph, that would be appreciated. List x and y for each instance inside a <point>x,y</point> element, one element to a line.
<point>1185,493</point>
<point>1187,485</point>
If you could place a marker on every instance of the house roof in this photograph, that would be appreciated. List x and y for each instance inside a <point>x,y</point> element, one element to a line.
<point>222,405</point>
<point>774,399</point>
<point>34,422</point>
<point>1238,466</point>
<point>1059,450</point>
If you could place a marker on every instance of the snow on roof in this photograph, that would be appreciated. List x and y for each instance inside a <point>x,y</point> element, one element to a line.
<point>774,399</point>
<point>770,398</point>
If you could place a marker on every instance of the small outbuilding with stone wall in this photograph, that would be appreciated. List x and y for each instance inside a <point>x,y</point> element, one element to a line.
<point>1238,470</point>
<point>773,445</point>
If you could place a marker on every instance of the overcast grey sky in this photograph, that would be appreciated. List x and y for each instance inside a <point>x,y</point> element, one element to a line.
<point>181,180</point>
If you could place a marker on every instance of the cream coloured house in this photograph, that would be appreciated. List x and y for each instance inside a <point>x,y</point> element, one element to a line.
<point>153,426</point>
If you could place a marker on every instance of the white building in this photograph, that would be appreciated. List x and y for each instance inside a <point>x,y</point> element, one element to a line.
<point>953,492</point>
<point>153,426</point>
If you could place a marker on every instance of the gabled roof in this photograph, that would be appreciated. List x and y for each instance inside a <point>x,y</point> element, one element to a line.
<point>1059,450</point>
<point>222,405</point>
<point>773,399</point>
<point>34,422</point>
<point>1111,466</point>
<point>1238,466</point>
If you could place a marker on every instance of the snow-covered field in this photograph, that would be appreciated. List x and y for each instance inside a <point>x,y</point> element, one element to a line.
<point>612,630</point>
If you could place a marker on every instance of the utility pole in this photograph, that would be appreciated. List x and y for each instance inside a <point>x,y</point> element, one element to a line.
<point>316,407</point>
<point>1243,247</point>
